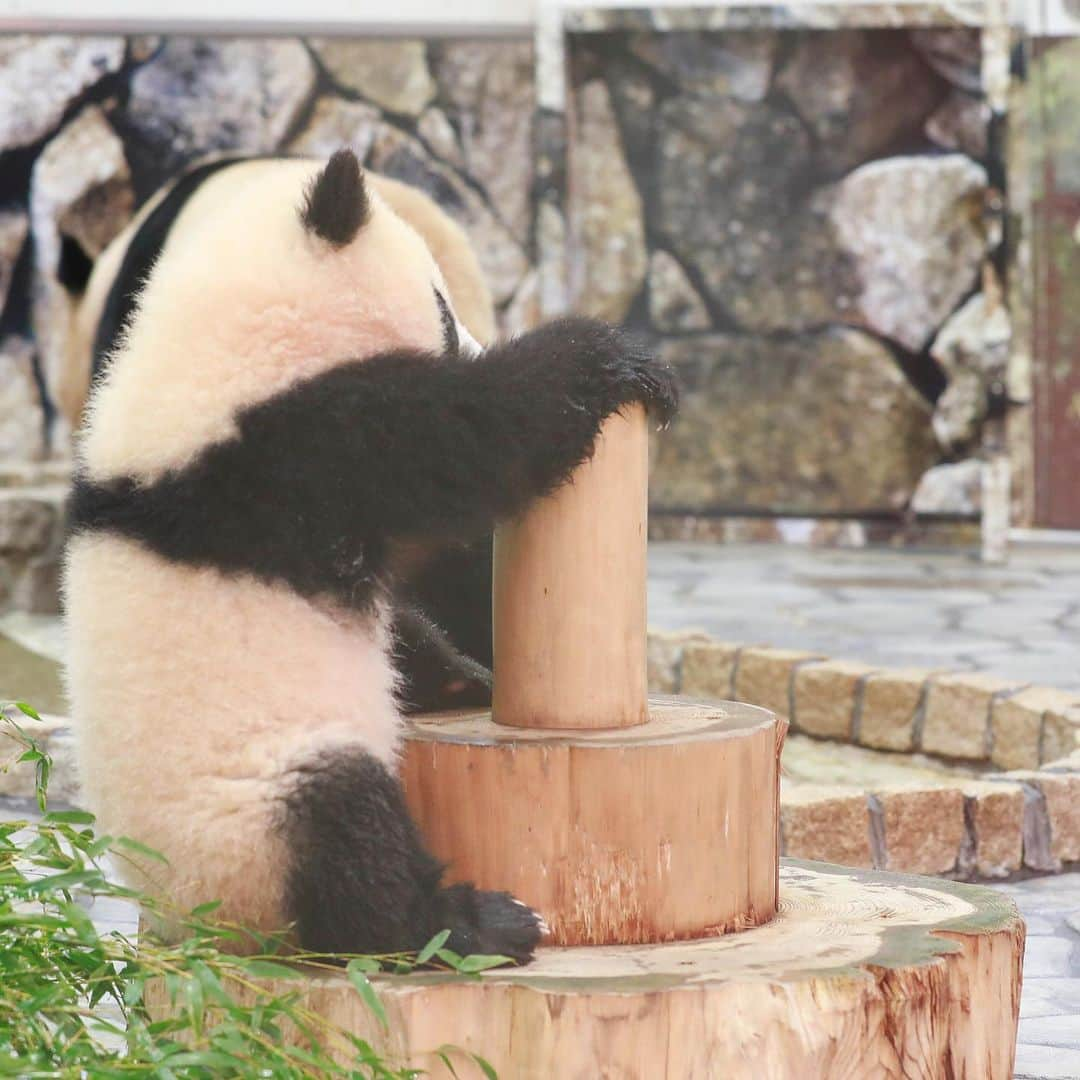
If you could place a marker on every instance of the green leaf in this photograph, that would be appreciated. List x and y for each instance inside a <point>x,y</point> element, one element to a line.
<point>477,962</point>
<point>270,969</point>
<point>203,910</point>
<point>366,991</point>
<point>485,1067</point>
<point>445,1059</point>
<point>367,964</point>
<point>80,922</point>
<point>432,947</point>
<point>140,849</point>
<point>68,817</point>
<point>27,710</point>
<point>62,881</point>
<point>203,1059</point>
<point>196,1004</point>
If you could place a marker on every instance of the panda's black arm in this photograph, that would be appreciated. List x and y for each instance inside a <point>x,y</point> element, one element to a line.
<point>327,476</point>
<point>416,446</point>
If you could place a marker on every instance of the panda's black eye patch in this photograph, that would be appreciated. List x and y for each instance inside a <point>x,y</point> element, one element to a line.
<point>449,325</point>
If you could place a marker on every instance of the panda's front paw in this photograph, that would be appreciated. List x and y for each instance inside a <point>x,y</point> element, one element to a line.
<point>620,369</point>
<point>490,923</point>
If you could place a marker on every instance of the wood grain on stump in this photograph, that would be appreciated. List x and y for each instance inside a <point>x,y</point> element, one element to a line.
<point>659,832</point>
<point>862,976</point>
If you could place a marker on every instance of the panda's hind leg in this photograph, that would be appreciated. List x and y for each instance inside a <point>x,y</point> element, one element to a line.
<point>361,881</point>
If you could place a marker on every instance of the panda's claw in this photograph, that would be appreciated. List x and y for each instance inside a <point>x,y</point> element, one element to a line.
<point>492,923</point>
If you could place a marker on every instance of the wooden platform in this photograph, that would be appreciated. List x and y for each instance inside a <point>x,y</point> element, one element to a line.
<point>861,976</point>
<point>657,832</point>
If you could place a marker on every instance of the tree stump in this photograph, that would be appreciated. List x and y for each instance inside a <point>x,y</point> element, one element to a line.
<point>862,975</point>
<point>657,832</point>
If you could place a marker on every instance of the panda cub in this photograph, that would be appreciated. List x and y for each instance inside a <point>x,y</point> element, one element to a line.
<point>290,419</point>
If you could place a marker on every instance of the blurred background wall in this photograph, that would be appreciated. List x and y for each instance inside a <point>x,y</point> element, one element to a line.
<point>813,225</point>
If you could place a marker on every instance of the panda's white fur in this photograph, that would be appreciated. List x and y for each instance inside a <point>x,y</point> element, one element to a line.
<point>283,306</point>
<point>288,419</point>
<point>193,692</point>
<point>449,246</point>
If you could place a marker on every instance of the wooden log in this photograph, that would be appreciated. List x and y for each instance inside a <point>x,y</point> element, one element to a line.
<point>569,594</point>
<point>863,975</point>
<point>657,832</point>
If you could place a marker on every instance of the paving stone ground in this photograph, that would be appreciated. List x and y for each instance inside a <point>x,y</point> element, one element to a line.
<point>902,608</point>
<point>1020,621</point>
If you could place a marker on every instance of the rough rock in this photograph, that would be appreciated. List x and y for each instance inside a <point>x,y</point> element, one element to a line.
<point>435,129</point>
<point>43,75</point>
<point>954,488</point>
<point>80,190</point>
<point>889,706</point>
<point>29,523</point>
<point>1017,726</point>
<point>608,212</point>
<point>392,74</point>
<point>962,123</point>
<point>489,87</point>
<point>200,95</point>
<point>955,54</point>
<point>767,259</point>
<point>143,47</point>
<point>667,658</point>
<point>957,720</point>
<point>501,257</point>
<point>14,225</point>
<point>1061,731</point>
<point>22,421</point>
<point>977,336</point>
<point>334,123</point>
<point>764,676</point>
<point>912,226</point>
<point>922,828</point>
<point>674,304</point>
<point>830,823</point>
<point>859,91</point>
<point>825,698</point>
<point>717,64</point>
<point>960,411</point>
<point>973,349</point>
<point>707,669</point>
<point>824,422</point>
<point>523,311</point>
<point>996,812</point>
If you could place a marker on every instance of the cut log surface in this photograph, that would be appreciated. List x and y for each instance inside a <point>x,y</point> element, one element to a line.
<point>664,831</point>
<point>861,976</point>
<point>569,594</point>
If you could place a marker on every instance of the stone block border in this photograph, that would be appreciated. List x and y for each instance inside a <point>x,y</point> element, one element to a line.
<point>1019,812</point>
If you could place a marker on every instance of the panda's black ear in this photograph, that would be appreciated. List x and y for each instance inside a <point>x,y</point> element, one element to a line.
<point>336,202</point>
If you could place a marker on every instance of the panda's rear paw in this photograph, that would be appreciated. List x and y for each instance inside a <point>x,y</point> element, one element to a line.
<point>491,923</point>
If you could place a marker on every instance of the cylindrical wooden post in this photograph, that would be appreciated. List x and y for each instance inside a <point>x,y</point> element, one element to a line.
<point>620,821</point>
<point>569,595</point>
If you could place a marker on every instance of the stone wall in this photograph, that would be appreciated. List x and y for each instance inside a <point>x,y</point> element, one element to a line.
<point>91,126</point>
<point>808,224</point>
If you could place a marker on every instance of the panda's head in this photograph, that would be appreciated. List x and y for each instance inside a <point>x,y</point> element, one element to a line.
<point>274,271</point>
<point>346,223</point>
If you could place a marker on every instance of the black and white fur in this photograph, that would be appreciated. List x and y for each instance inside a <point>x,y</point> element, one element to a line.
<point>240,524</point>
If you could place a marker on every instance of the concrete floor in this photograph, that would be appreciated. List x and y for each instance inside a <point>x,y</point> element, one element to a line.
<point>1020,621</point>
